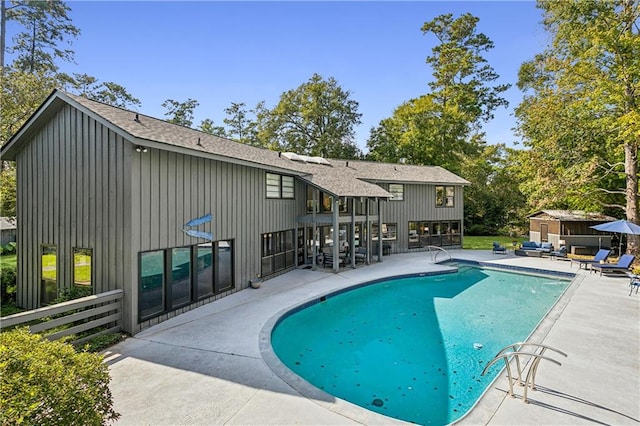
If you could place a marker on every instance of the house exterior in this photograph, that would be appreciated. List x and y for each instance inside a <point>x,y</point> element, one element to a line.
<point>571,226</point>
<point>7,230</point>
<point>104,196</point>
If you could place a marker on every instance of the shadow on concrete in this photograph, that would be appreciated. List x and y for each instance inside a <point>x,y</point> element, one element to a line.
<point>572,398</point>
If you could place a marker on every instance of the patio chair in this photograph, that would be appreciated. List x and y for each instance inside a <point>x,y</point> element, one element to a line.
<point>559,253</point>
<point>601,255</point>
<point>361,254</point>
<point>497,248</point>
<point>624,263</point>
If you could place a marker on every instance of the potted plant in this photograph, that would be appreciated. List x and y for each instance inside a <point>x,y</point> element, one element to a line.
<point>256,282</point>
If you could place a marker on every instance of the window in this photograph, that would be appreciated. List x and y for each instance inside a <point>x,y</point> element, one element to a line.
<point>445,196</point>
<point>310,201</point>
<point>82,271</point>
<point>389,231</point>
<point>180,276</point>
<point>49,278</point>
<point>287,187</point>
<point>397,190</point>
<point>445,233</point>
<point>327,202</point>
<point>176,277</point>
<point>204,270</point>
<point>343,205</point>
<point>279,186</point>
<point>277,252</point>
<point>151,297</point>
<point>224,266</point>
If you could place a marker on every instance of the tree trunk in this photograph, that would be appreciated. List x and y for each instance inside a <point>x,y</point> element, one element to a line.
<point>631,172</point>
<point>631,147</point>
<point>3,32</point>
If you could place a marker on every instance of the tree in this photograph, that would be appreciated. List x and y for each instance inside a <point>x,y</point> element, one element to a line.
<point>581,115</point>
<point>493,203</point>
<point>443,127</point>
<point>420,132</point>
<point>316,118</point>
<point>208,126</point>
<point>43,382</point>
<point>181,113</point>
<point>21,94</point>
<point>237,121</point>
<point>7,189</point>
<point>46,28</point>
<point>108,92</point>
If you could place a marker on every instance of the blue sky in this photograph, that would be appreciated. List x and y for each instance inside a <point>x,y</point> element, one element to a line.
<point>223,52</point>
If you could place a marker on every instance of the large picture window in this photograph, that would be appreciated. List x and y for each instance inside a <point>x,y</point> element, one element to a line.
<point>180,276</point>
<point>445,196</point>
<point>429,233</point>
<point>277,252</point>
<point>151,297</point>
<point>204,270</point>
<point>279,186</point>
<point>224,266</point>
<point>176,277</point>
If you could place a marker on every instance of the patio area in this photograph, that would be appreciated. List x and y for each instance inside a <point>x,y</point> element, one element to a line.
<point>212,365</point>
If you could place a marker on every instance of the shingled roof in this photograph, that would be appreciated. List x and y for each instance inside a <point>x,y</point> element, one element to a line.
<point>340,177</point>
<point>572,216</point>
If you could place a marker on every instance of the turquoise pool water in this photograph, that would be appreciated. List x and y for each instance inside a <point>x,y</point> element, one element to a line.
<point>414,348</point>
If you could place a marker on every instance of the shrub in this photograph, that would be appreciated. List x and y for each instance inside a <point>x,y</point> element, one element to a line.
<point>8,285</point>
<point>479,229</point>
<point>44,382</point>
<point>75,292</point>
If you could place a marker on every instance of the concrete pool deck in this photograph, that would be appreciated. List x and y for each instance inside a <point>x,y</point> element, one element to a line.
<point>210,366</point>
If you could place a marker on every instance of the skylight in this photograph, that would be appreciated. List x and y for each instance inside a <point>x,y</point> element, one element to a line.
<point>305,158</point>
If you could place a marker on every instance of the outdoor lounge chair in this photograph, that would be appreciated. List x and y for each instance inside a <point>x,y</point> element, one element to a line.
<point>623,264</point>
<point>559,253</point>
<point>497,248</point>
<point>601,255</point>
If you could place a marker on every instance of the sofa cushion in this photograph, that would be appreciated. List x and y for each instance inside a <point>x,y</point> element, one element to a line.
<point>529,245</point>
<point>546,246</point>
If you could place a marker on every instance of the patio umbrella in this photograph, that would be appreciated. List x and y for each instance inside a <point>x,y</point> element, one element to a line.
<point>618,227</point>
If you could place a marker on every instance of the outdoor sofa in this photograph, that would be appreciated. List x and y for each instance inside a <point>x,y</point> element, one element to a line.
<point>533,249</point>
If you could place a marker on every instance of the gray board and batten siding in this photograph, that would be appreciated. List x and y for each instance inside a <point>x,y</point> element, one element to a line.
<point>75,191</point>
<point>94,190</point>
<point>418,205</point>
<point>103,178</point>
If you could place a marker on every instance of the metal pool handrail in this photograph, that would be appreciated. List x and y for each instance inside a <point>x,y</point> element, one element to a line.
<point>537,355</point>
<point>437,252</point>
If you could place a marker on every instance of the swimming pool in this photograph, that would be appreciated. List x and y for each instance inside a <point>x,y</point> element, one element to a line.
<point>413,348</point>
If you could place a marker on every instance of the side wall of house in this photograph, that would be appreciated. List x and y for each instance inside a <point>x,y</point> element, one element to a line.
<point>169,189</point>
<point>419,205</point>
<point>72,193</point>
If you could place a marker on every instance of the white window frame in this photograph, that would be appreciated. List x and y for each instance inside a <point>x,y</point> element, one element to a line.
<point>397,190</point>
<point>279,186</point>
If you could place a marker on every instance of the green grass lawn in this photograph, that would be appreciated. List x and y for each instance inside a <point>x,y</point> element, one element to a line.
<point>486,243</point>
<point>8,261</point>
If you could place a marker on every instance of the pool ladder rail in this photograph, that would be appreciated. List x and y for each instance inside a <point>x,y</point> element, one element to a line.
<point>434,251</point>
<point>514,352</point>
